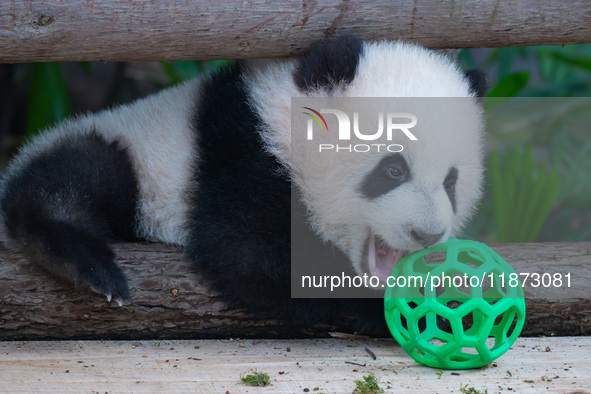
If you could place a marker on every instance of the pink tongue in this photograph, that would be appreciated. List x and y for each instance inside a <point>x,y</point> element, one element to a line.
<point>382,261</point>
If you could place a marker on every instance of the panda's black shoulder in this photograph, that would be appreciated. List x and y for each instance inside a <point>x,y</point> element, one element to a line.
<point>239,219</point>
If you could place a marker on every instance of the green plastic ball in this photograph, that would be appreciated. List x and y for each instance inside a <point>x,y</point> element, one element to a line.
<point>480,297</point>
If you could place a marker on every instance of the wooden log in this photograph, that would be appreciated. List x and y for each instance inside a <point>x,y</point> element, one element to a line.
<point>142,30</point>
<point>171,302</point>
<point>532,365</point>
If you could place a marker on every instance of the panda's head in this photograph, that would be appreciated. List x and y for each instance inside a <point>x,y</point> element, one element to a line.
<point>377,206</point>
<point>380,205</point>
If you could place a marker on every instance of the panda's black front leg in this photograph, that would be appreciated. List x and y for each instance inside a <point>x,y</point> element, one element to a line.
<point>61,207</point>
<point>73,254</point>
<point>70,249</point>
<point>93,264</point>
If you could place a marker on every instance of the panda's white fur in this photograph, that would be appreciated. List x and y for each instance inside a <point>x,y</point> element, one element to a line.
<point>445,139</point>
<point>165,151</point>
<point>156,131</point>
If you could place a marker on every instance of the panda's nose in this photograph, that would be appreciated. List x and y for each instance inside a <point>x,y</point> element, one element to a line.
<point>425,239</point>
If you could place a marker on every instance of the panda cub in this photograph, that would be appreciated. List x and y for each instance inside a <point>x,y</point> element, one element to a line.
<point>207,165</point>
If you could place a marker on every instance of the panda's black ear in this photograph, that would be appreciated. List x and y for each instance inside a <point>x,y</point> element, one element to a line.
<point>478,82</point>
<point>329,63</point>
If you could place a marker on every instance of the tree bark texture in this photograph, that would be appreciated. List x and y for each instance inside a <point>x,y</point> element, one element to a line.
<point>169,301</point>
<point>157,30</point>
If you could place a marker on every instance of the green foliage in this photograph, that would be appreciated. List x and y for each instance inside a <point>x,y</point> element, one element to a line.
<point>48,98</point>
<point>565,71</point>
<point>557,131</point>
<point>256,379</point>
<point>576,188</point>
<point>184,70</point>
<point>553,70</point>
<point>522,194</point>
<point>49,101</point>
<point>369,385</point>
<point>471,390</point>
<point>581,62</point>
<point>569,219</point>
<point>510,85</point>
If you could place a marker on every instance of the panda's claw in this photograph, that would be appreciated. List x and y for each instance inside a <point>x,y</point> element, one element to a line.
<point>106,279</point>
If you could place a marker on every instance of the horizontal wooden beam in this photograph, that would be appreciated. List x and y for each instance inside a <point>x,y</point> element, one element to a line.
<point>171,302</point>
<point>532,365</point>
<point>156,30</point>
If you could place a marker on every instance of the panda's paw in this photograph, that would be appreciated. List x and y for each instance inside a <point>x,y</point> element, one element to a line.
<point>105,279</point>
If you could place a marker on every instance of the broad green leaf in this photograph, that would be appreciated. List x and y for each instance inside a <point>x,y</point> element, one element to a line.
<point>510,86</point>
<point>581,62</point>
<point>48,98</point>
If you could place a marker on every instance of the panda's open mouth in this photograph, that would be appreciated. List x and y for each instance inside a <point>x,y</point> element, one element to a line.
<point>381,258</point>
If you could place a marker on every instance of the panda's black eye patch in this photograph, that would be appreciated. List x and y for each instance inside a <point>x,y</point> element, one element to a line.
<point>451,178</point>
<point>449,184</point>
<point>389,173</point>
